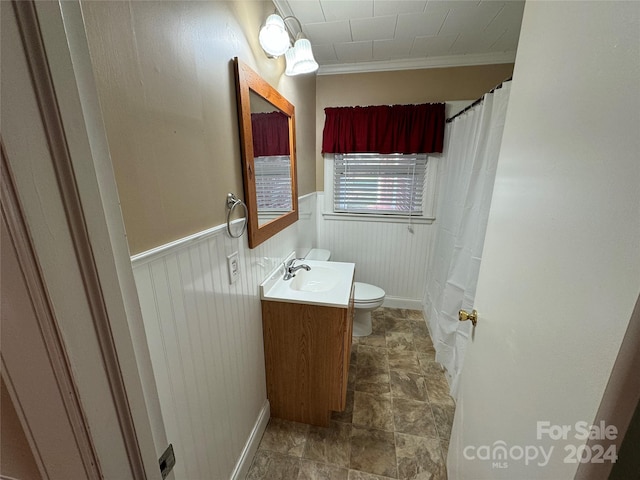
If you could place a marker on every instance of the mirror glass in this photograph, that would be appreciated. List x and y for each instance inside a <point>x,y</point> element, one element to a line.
<point>267,138</point>
<point>271,158</point>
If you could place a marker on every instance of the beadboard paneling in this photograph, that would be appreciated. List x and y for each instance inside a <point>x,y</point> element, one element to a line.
<point>386,254</point>
<point>205,340</point>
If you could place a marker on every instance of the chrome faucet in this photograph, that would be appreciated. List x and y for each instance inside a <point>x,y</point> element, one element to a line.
<point>289,269</point>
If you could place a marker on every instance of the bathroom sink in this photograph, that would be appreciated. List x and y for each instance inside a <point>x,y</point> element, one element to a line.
<point>326,283</point>
<point>318,279</point>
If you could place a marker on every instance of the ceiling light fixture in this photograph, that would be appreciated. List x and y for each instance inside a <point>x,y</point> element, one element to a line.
<point>275,41</point>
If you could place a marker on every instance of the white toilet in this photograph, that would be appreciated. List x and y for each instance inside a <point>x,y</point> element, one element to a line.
<point>366,297</point>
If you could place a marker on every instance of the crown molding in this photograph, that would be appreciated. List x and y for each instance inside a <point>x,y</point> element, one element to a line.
<point>284,10</point>
<point>419,63</point>
<point>283,7</point>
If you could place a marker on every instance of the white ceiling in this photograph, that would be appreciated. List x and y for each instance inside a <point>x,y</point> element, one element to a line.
<point>376,35</point>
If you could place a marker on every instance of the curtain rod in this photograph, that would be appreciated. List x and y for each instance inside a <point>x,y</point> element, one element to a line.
<point>469,107</point>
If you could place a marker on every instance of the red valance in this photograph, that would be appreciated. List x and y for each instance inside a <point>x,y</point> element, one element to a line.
<point>270,133</point>
<point>384,129</point>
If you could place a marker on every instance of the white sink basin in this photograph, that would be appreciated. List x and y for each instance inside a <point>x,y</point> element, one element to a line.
<point>318,279</point>
<point>327,283</point>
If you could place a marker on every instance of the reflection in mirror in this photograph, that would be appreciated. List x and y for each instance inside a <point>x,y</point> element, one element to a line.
<point>271,156</point>
<point>267,137</point>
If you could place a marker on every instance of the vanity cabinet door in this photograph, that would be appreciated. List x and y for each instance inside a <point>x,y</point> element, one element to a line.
<point>307,349</point>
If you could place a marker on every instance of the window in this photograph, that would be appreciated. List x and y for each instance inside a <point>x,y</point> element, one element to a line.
<point>391,184</point>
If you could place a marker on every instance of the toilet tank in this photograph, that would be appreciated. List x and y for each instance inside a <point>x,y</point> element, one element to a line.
<point>318,254</point>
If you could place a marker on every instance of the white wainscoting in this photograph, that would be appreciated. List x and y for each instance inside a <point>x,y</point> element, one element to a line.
<point>205,340</point>
<point>205,335</point>
<point>386,254</point>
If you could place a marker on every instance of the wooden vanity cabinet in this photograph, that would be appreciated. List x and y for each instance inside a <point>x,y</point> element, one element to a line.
<point>307,350</point>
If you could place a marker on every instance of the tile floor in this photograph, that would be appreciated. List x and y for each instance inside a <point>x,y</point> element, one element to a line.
<point>397,422</point>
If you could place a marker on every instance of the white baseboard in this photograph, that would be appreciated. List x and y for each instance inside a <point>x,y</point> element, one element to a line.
<point>398,302</point>
<point>251,447</point>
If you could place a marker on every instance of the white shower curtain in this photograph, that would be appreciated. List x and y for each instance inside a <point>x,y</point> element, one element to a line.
<point>468,168</point>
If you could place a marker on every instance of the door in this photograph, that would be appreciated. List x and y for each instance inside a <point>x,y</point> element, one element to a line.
<point>68,362</point>
<point>31,382</point>
<point>561,264</point>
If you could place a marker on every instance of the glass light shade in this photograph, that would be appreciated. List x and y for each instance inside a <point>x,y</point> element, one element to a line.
<point>273,36</point>
<point>300,58</point>
<point>290,57</point>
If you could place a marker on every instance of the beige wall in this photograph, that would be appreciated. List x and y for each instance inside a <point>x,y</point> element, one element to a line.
<point>165,79</point>
<point>401,87</point>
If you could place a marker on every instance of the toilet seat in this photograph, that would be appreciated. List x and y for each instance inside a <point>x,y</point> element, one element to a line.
<point>366,296</point>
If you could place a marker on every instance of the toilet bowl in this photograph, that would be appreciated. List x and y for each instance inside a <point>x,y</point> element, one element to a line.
<point>366,298</point>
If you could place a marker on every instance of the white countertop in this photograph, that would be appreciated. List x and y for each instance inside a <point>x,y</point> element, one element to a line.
<point>279,290</point>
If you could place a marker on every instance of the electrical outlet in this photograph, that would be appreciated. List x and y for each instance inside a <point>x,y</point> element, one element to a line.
<point>233,265</point>
<point>167,461</point>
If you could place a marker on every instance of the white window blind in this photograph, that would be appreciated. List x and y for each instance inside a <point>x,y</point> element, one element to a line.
<point>273,183</point>
<point>382,184</point>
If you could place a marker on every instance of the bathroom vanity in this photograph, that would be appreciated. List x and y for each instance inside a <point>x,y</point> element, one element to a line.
<point>307,327</point>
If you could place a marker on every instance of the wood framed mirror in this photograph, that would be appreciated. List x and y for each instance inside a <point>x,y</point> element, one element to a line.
<point>268,144</point>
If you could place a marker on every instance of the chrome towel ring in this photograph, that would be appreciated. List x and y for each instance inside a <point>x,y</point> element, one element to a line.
<point>232,203</point>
